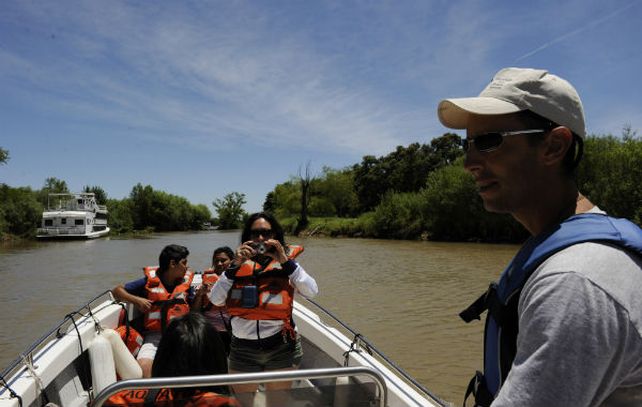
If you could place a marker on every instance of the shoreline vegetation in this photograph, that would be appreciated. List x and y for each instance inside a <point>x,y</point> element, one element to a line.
<point>417,192</point>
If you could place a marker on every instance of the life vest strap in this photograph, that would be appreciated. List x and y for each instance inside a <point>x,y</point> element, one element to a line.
<point>477,387</point>
<point>487,301</point>
<point>480,305</point>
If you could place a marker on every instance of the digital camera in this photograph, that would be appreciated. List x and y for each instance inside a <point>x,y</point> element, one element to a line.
<point>259,247</point>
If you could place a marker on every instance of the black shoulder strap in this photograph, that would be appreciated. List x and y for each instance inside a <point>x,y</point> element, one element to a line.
<point>480,305</point>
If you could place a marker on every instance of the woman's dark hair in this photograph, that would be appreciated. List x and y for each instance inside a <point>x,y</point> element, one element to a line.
<point>274,224</point>
<point>169,253</point>
<point>225,250</point>
<point>190,347</point>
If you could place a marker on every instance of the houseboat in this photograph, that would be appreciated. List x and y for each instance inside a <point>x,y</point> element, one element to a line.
<point>73,215</point>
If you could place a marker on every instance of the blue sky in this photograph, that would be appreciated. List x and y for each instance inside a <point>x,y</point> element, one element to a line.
<point>200,99</point>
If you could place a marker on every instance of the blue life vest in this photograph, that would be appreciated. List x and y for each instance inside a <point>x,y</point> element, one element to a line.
<point>501,299</point>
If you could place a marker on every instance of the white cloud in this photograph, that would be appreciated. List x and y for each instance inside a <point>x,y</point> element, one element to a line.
<point>182,73</point>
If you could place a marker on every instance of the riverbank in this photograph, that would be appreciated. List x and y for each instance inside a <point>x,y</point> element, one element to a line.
<point>333,226</point>
<point>366,226</point>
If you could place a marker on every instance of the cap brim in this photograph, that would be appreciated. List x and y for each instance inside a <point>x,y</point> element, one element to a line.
<point>454,113</point>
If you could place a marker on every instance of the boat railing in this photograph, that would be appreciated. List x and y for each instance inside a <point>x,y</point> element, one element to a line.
<point>361,340</point>
<point>246,378</point>
<point>58,331</point>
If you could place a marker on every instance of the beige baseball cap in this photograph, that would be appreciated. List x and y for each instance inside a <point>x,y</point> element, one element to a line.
<point>516,89</point>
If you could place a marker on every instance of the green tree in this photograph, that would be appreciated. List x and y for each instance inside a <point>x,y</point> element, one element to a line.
<point>287,199</point>
<point>20,211</point>
<point>120,215</point>
<point>452,210</point>
<point>52,185</point>
<point>334,191</point>
<point>141,198</point>
<point>4,156</point>
<point>610,173</point>
<point>99,193</point>
<point>403,170</point>
<point>270,203</point>
<point>398,216</point>
<point>230,210</point>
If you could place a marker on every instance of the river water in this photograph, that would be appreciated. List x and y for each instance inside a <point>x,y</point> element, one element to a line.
<point>404,296</point>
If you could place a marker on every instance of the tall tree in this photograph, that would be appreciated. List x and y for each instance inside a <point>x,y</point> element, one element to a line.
<point>52,185</point>
<point>304,182</point>
<point>230,210</point>
<point>270,202</point>
<point>99,193</point>
<point>4,156</point>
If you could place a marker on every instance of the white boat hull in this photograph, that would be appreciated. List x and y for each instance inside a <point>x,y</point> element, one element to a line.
<point>59,234</point>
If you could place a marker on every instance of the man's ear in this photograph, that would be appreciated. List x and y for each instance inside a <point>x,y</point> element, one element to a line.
<point>556,144</point>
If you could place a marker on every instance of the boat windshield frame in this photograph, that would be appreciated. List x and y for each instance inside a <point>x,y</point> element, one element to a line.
<point>245,378</point>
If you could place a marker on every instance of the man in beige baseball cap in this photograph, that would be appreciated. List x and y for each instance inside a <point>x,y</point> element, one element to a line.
<point>564,319</point>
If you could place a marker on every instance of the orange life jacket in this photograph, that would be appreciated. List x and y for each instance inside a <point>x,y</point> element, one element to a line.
<point>165,398</point>
<point>275,293</point>
<point>209,277</point>
<point>165,306</point>
<point>132,338</point>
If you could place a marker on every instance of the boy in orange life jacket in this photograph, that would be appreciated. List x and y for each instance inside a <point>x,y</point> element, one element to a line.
<point>162,294</point>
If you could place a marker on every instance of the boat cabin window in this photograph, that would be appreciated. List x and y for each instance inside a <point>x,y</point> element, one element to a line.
<point>79,222</point>
<point>63,221</point>
<point>48,222</point>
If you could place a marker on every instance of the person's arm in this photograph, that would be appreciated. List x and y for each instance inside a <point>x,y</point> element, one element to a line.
<point>218,294</point>
<point>570,335</point>
<point>302,281</point>
<point>127,293</point>
<point>200,297</point>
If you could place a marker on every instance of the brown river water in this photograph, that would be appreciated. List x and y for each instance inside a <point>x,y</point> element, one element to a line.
<point>403,296</point>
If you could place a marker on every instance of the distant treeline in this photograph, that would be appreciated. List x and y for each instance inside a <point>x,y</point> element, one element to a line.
<point>418,191</point>
<point>145,209</point>
<point>422,191</point>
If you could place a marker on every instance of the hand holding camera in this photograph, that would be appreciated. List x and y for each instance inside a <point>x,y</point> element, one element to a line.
<point>274,249</point>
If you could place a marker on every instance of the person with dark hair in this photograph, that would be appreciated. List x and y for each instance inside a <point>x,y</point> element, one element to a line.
<point>189,347</point>
<point>162,294</point>
<point>258,289</point>
<point>564,321</point>
<point>217,316</point>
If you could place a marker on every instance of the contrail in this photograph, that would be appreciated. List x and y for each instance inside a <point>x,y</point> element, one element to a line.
<point>577,31</point>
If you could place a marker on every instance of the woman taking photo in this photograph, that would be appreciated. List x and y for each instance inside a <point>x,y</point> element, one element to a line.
<point>258,290</point>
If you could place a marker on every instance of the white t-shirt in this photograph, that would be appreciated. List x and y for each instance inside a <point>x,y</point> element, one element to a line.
<point>247,329</point>
<point>580,331</point>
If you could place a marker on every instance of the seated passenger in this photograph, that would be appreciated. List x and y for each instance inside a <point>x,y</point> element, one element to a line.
<point>163,294</point>
<point>189,347</point>
<point>217,316</point>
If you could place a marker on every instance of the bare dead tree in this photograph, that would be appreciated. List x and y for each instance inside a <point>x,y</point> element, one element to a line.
<point>305,181</point>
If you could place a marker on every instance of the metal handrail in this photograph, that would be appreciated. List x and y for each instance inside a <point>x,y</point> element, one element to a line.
<point>244,378</point>
<point>379,353</point>
<point>56,330</point>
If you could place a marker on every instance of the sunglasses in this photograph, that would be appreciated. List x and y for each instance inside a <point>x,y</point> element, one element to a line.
<point>255,233</point>
<point>491,141</point>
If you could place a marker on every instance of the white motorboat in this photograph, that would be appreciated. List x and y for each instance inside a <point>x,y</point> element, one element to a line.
<point>339,367</point>
<point>76,215</point>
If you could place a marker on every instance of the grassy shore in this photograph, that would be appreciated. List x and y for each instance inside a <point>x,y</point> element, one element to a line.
<point>334,227</point>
